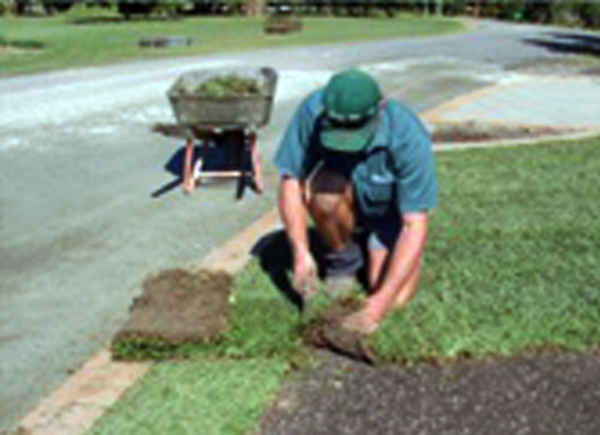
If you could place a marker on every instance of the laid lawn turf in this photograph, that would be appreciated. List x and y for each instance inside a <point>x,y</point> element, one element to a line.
<point>199,397</point>
<point>59,43</point>
<point>511,266</point>
<point>511,262</point>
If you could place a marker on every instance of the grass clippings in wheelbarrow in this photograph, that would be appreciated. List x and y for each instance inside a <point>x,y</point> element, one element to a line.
<point>225,86</point>
<point>177,308</point>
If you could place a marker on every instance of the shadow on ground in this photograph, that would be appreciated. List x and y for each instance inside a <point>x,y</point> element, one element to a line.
<point>219,154</point>
<point>275,258</point>
<point>100,19</point>
<point>568,43</point>
<point>476,131</point>
<point>22,44</point>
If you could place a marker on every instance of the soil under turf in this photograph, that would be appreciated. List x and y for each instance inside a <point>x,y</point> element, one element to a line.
<point>534,394</point>
<point>471,131</point>
<point>176,307</point>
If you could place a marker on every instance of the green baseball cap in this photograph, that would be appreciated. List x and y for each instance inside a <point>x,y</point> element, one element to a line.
<point>351,100</point>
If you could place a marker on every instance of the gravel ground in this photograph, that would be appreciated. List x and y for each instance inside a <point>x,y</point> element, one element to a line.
<point>544,394</point>
<point>78,164</point>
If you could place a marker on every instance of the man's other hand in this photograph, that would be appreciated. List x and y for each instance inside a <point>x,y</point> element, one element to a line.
<point>305,274</point>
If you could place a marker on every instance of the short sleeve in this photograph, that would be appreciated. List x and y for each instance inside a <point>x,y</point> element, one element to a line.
<point>416,185</point>
<point>290,157</point>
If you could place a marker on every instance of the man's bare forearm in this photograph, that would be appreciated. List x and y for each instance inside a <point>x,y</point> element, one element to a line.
<point>404,258</point>
<point>291,208</point>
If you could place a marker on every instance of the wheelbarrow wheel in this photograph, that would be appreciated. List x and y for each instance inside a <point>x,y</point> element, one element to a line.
<point>242,182</point>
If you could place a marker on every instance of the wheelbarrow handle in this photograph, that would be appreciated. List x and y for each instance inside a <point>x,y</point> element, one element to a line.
<point>188,177</point>
<point>256,162</point>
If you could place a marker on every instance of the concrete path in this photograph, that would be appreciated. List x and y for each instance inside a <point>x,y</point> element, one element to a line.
<point>78,225</point>
<point>549,101</point>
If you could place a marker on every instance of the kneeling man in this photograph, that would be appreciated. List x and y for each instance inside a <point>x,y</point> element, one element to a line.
<point>354,159</point>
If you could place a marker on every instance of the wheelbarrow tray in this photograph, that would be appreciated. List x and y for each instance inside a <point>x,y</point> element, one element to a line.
<point>199,112</point>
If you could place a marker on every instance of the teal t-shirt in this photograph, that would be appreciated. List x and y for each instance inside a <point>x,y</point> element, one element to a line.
<point>397,169</point>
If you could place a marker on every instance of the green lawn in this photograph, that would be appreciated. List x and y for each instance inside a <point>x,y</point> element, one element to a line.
<point>511,266</point>
<point>512,260</point>
<point>68,45</point>
<point>199,397</point>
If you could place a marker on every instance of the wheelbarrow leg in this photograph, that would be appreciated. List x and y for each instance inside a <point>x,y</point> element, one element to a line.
<point>188,176</point>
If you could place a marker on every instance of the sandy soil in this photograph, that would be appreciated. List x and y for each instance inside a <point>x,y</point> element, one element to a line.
<point>543,394</point>
<point>7,49</point>
<point>472,131</point>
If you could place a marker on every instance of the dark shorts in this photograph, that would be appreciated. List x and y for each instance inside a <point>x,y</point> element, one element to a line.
<point>383,231</point>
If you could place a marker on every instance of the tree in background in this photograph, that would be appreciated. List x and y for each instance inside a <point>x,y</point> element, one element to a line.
<point>255,7</point>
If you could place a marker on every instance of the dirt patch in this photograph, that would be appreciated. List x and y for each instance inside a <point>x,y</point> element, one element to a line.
<point>176,308</point>
<point>282,24</point>
<point>170,130</point>
<point>19,431</point>
<point>536,394</point>
<point>9,50</point>
<point>165,41</point>
<point>474,131</point>
<point>20,46</point>
<point>324,331</point>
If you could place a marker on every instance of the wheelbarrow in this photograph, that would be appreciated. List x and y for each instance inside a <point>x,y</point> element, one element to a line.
<point>210,119</point>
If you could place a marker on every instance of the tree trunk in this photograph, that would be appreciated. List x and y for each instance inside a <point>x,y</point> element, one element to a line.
<point>255,7</point>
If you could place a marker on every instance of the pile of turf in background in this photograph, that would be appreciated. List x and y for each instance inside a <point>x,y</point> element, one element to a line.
<point>177,309</point>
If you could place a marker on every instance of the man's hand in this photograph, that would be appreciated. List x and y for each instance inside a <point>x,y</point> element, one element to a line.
<point>402,274</point>
<point>360,322</point>
<point>293,214</point>
<point>305,274</point>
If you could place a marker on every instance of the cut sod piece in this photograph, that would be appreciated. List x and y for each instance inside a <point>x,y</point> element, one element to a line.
<point>323,330</point>
<point>176,308</point>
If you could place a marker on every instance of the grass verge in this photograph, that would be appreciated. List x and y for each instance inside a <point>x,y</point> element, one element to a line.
<point>196,397</point>
<point>63,44</point>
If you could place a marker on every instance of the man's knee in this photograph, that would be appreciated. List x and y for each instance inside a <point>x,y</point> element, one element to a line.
<point>328,192</point>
